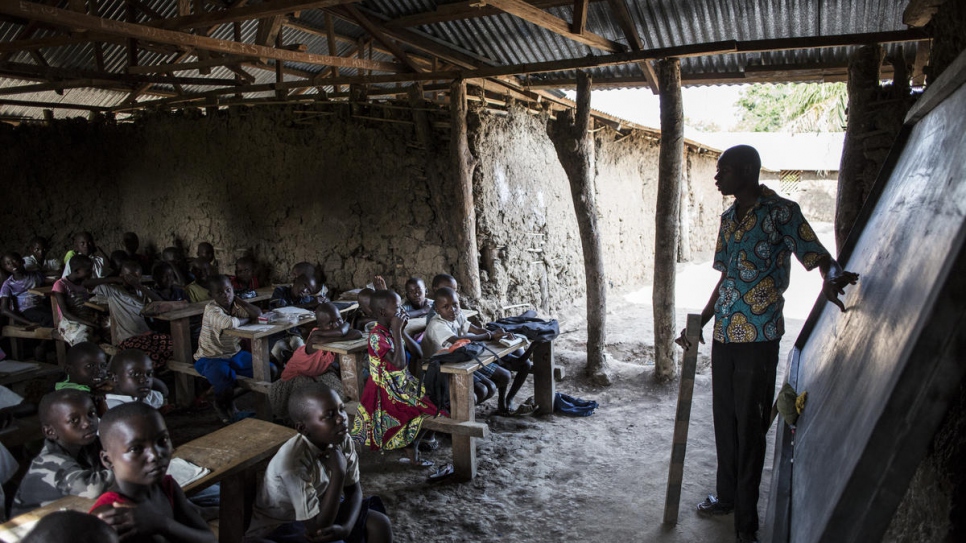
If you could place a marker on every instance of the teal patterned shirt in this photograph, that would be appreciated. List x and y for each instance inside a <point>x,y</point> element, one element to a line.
<point>755,257</point>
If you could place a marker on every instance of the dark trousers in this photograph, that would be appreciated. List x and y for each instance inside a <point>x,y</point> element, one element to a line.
<point>743,389</point>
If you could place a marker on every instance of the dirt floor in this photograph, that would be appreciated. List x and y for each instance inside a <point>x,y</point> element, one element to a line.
<point>555,478</point>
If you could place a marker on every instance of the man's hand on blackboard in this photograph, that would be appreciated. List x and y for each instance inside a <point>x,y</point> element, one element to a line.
<point>835,282</point>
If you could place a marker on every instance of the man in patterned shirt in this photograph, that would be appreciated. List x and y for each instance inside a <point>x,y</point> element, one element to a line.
<point>759,234</point>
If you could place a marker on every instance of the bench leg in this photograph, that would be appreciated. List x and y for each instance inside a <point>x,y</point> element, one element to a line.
<point>61,348</point>
<point>262,371</point>
<point>15,348</point>
<point>544,387</point>
<point>463,408</point>
<point>184,384</point>
<point>234,512</point>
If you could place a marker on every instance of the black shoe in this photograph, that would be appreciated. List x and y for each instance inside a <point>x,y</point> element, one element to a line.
<point>711,506</point>
<point>747,537</point>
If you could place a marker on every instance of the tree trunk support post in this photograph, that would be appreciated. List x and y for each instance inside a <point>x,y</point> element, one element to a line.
<point>468,273</point>
<point>667,216</point>
<point>574,143</point>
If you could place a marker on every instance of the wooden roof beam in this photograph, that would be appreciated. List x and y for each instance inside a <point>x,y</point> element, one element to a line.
<point>536,16</point>
<point>136,31</point>
<point>375,30</point>
<point>50,73</point>
<point>470,9</point>
<point>257,11</point>
<point>626,24</point>
<point>53,105</point>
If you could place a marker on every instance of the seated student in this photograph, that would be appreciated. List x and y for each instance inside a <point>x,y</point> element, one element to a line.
<point>416,303</point>
<point>70,527</point>
<point>36,259</point>
<point>206,254</point>
<point>311,489</point>
<point>175,257</point>
<point>364,318</point>
<point>87,371</point>
<point>449,325</point>
<point>16,302</point>
<point>131,244</point>
<point>68,464</point>
<point>166,283</point>
<point>144,503</point>
<point>12,406</point>
<point>393,404</point>
<point>75,321</point>
<point>84,246</point>
<point>300,294</point>
<point>310,361</point>
<point>117,258</point>
<point>126,297</point>
<point>220,358</point>
<point>441,280</point>
<point>134,380</point>
<point>198,289</point>
<point>244,281</point>
<point>315,272</point>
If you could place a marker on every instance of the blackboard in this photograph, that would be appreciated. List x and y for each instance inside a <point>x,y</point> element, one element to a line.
<point>880,376</point>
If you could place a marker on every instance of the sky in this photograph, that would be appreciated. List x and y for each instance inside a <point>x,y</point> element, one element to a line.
<point>702,105</point>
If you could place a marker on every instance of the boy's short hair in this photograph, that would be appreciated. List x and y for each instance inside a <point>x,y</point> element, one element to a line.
<point>160,267</point>
<point>80,262</point>
<point>70,527</point>
<point>56,397</point>
<point>414,280</point>
<point>120,414</point>
<point>380,298</point>
<point>444,292</point>
<point>441,278</point>
<point>13,255</point>
<point>38,239</point>
<point>328,308</point>
<point>298,407</point>
<point>216,280</point>
<point>81,351</point>
<point>130,266</point>
<point>125,356</point>
<point>303,268</point>
<point>245,259</point>
<point>84,234</point>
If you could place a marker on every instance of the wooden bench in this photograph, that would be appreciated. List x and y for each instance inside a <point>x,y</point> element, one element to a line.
<point>16,333</point>
<point>234,454</point>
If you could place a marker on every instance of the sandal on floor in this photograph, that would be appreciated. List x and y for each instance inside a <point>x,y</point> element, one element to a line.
<point>422,463</point>
<point>526,410</point>
<point>442,473</point>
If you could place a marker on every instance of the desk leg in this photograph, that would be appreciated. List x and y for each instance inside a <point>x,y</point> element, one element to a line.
<point>544,387</point>
<point>463,408</point>
<point>351,368</point>
<point>234,512</point>
<point>184,384</point>
<point>262,371</point>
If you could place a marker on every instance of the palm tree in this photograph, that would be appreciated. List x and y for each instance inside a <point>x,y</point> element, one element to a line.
<point>794,107</point>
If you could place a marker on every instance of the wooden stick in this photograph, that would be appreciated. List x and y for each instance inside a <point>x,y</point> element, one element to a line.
<point>679,444</point>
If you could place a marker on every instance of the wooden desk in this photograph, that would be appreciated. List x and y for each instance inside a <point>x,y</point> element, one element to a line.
<point>353,357</point>
<point>261,365</point>
<point>41,291</point>
<point>180,319</point>
<point>16,528</point>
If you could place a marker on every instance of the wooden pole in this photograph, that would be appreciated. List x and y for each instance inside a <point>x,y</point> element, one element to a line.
<point>682,419</point>
<point>574,144</point>
<point>468,272</point>
<point>667,216</point>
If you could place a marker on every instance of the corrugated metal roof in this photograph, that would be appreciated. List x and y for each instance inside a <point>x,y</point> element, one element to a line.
<point>503,39</point>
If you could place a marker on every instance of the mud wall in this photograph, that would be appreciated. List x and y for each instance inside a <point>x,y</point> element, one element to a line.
<point>360,196</point>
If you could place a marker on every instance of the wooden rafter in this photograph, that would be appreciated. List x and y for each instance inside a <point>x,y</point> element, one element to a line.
<point>579,23</point>
<point>52,105</point>
<point>469,9</point>
<point>48,73</point>
<point>375,30</point>
<point>536,16</point>
<point>268,29</point>
<point>258,11</point>
<point>626,23</point>
<point>136,31</point>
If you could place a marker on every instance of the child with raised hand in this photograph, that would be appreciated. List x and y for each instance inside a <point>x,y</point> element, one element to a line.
<point>449,325</point>
<point>198,289</point>
<point>219,357</point>
<point>16,301</point>
<point>36,259</point>
<point>70,527</point>
<point>84,246</point>
<point>311,361</point>
<point>68,464</point>
<point>394,403</point>
<point>134,380</point>
<point>311,489</point>
<point>144,503</point>
<point>417,305</point>
<point>75,321</point>
<point>244,281</point>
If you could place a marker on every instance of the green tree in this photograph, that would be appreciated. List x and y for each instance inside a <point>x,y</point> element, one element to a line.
<point>793,107</point>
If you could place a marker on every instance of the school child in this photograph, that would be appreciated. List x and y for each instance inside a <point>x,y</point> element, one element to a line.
<point>198,289</point>
<point>244,281</point>
<point>219,357</point>
<point>440,280</point>
<point>144,504</point>
<point>36,259</point>
<point>16,302</point>
<point>126,296</point>
<point>131,244</point>
<point>116,259</point>
<point>165,283</point>
<point>300,294</point>
<point>417,305</point>
<point>84,246</point>
<point>88,371</point>
<point>68,463</point>
<point>315,272</point>
<point>310,361</point>
<point>393,403</point>
<point>364,317</point>
<point>75,321</point>
<point>134,380</point>
<point>206,253</point>
<point>311,489</point>
<point>449,325</point>
<point>70,527</point>
<point>175,257</point>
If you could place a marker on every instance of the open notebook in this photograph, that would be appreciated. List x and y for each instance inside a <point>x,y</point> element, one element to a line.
<point>185,472</point>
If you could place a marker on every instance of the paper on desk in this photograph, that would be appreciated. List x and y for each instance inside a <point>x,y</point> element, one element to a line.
<point>13,366</point>
<point>290,310</point>
<point>255,327</point>
<point>186,472</point>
